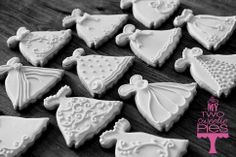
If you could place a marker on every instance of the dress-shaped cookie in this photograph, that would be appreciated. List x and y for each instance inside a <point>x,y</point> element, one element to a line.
<point>95,29</point>
<point>153,47</point>
<point>38,47</point>
<point>162,103</point>
<point>214,73</point>
<point>26,84</point>
<point>140,144</point>
<point>80,118</point>
<point>17,134</point>
<point>210,31</point>
<point>151,13</point>
<point>97,72</point>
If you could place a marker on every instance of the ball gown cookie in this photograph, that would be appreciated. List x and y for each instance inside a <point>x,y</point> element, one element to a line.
<point>140,144</point>
<point>162,103</point>
<point>98,73</point>
<point>95,29</point>
<point>40,46</point>
<point>151,13</point>
<point>26,84</point>
<point>153,47</point>
<point>210,31</point>
<point>214,73</point>
<point>18,134</point>
<point>80,118</point>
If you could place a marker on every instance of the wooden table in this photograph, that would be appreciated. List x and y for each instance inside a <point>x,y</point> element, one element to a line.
<point>47,15</point>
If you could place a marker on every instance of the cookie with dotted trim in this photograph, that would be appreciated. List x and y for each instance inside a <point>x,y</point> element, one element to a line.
<point>40,46</point>
<point>18,134</point>
<point>95,29</point>
<point>214,73</point>
<point>97,72</point>
<point>80,118</point>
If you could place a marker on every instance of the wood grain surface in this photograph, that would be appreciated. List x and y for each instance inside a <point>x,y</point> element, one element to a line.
<point>47,15</point>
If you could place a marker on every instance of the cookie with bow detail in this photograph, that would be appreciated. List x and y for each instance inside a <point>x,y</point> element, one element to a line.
<point>39,46</point>
<point>26,84</point>
<point>147,44</point>
<point>162,103</point>
<point>209,30</point>
<point>95,29</point>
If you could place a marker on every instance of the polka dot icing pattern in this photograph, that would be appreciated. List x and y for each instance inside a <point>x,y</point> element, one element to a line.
<point>80,118</point>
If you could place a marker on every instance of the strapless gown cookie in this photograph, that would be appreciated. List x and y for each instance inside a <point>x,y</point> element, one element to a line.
<point>162,103</point>
<point>140,144</point>
<point>153,47</point>
<point>26,84</point>
<point>214,73</point>
<point>98,73</point>
<point>210,31</point>
<point>95,29</point>
<point>40,46</point>
<point>80,118</point>
<point>17,134</point>
<point>151,13</point>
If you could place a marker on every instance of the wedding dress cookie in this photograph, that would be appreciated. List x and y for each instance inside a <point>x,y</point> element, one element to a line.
<point>140,144</point>
<point>214,73</point>
<point>80,118</point>
<point>38,47</point>
<point>151,13</point>
<point>97,72</point>
<point>211,31</point>
<point>153,47</point>
<point>25,84</point>
<point>95,29</point>
<point>18,134</point>
<point>162,103</point>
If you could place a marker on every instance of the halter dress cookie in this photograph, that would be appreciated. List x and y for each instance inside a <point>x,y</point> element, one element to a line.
<point>140,144</point>
<point>40,46</point>
<point>26,84</point>
<point>210,31</point>
<point>80,118</point>
<point>153,47</point>
<point>162,103</point>
<point>95,29</point>
<point>214,73</point>
<point>151,13</point>
<point>18,134</point>
<point>97,72</point>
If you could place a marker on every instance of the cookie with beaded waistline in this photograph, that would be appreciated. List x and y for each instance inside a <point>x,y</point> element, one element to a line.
<point>209,30</point>
<point>39,46</point>
<point>151,13</point>
<point>95,29</point>
<point>161,103</point>
<point>140,144</point>
<point>26,84</point>
<point>214,73</point>
<point>153,47</point>
<point>80,118</point>
<point>97,72</point>
<point>18,134</point>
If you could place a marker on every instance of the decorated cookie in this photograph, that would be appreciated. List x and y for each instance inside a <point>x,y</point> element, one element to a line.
<point>140,144</point>
<point>38,47</point>
<point>210,31</point>
<point>26,84</point>
<point>95,29</point>
<point>153,47</point>
<point>214,73</point>
<point>17,134</point>
<point>151,13</point>
<point>162,103</point>
<point>97,72</point>
<point>80,118</point>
